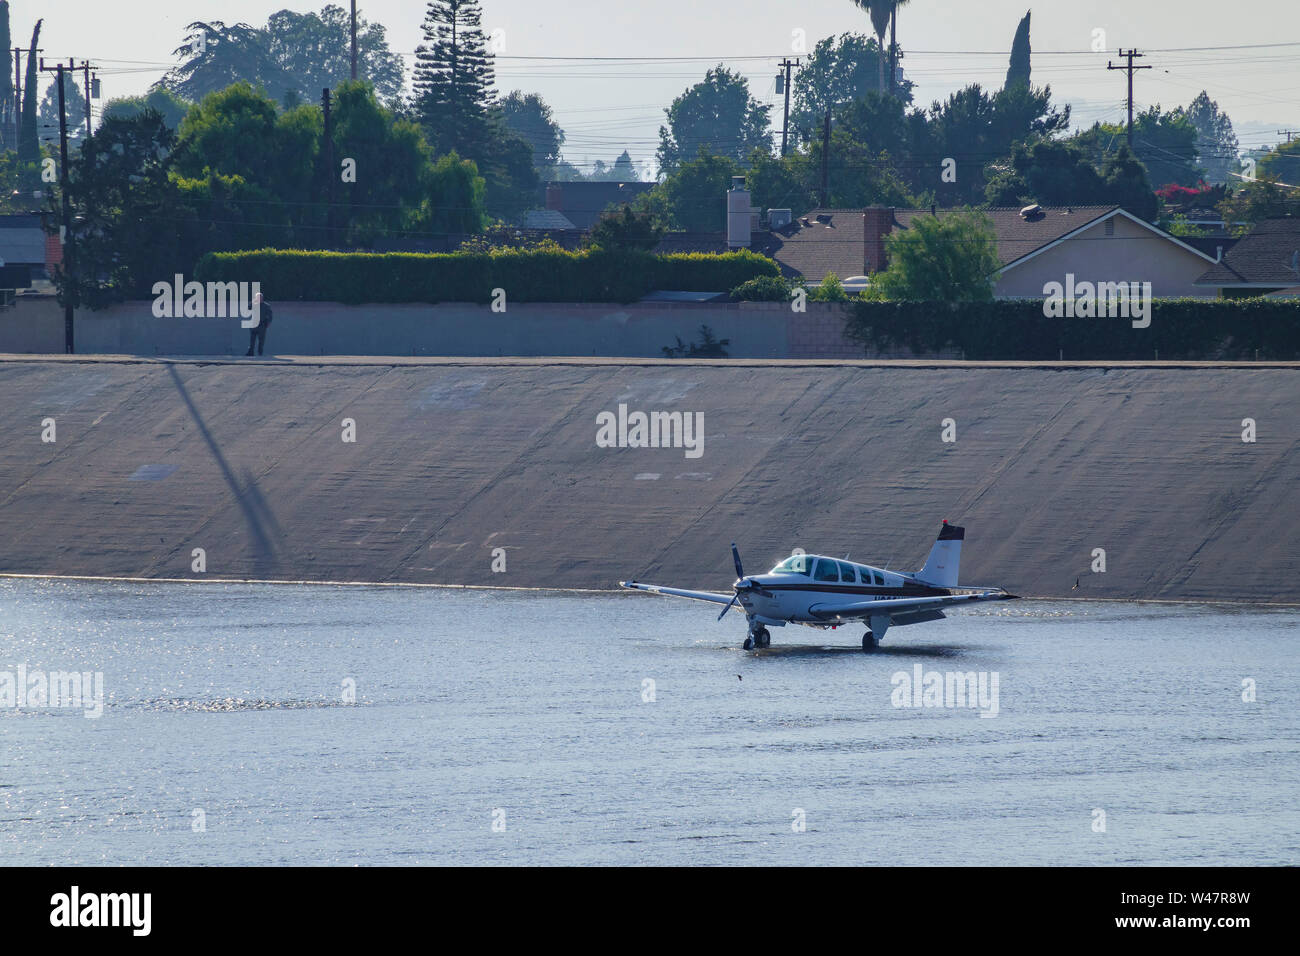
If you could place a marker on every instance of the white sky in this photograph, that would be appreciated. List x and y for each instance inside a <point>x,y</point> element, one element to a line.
<point>606,107</point>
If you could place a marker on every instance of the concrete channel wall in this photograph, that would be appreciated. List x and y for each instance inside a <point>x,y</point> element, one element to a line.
<point>638,330</point>
<point>454,460</point>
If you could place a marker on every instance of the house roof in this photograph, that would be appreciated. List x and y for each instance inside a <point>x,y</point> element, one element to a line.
<point>1267,257</point>
<point>1019,237</point>
<point>822,241</point>
<point>546,219</point>
<point>834,240</point>
<point>583,202</point>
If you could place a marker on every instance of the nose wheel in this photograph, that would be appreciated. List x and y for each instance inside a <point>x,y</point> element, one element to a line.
<point>758,638</point>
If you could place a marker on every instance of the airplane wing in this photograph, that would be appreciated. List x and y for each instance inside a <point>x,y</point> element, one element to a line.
<point>865,609</point>
<point>711,596</point>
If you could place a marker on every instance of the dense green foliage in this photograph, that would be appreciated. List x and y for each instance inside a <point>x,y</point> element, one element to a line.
<point>527,275</point>
<point>763,289</point>
<point>1018,329</point>
<point>950,258</point>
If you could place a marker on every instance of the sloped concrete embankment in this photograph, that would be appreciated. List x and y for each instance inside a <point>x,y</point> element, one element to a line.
<point>450,463</point>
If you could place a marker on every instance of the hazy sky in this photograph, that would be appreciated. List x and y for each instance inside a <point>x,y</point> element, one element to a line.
<point>607,106</point>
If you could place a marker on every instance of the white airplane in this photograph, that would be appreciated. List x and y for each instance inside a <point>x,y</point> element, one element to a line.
<point>818,591</point>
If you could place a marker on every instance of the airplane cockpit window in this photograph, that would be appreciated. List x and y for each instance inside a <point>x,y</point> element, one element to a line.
<point>826,571</point>
<point>795,564</point>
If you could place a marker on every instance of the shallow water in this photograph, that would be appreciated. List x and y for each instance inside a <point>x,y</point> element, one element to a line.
<point>531,709</point>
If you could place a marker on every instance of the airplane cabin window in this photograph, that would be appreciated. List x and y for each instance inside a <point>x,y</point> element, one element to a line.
<point>826,571</point>
<point>846,573</point>
<point>880,578</point>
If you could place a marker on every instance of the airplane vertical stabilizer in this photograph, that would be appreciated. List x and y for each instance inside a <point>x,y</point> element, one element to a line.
<point>941,567</point>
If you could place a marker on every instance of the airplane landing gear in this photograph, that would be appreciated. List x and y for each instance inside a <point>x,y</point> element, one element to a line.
<point>758,638</point>
<point>870,642</point>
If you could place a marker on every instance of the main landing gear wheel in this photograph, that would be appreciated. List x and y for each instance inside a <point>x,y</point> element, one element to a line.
<point>869,642</point>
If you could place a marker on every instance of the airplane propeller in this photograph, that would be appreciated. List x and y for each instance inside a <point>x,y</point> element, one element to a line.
<point>740,574</point>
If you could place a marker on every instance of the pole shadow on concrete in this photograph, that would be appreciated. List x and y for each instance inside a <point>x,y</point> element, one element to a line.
<point>257,514</point>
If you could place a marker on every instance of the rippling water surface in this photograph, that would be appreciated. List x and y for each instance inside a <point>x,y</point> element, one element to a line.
<point>226,736</point>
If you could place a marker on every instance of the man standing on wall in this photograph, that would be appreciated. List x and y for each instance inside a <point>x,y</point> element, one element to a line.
<point>257,334</point>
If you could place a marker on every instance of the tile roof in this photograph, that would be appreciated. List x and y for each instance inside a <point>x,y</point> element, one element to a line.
<point>833,240</point>
<point>1269,255</point>
<point>583,202</point>
<point>1018,236</point>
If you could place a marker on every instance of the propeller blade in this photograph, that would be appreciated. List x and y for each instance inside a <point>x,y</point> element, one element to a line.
<point>735,556</point>
<point>730,605</point>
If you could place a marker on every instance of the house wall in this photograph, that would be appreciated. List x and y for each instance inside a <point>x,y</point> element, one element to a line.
<point>1132,254</point>
<point>639,330</point>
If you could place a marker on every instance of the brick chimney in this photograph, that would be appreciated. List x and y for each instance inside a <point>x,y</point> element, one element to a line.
<point>554,196</point>
<point>877,223</point>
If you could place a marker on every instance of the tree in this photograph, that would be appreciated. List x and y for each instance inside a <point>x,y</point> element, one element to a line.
<point>163,101</point>
<point>949,258</point>
<point>1216,142</point>
<point>1253,202</point>
<point>74,107</point>
<point>215,56</point>
<point>251,170</point>
<point>29,150</point>
<point>1061,173</point>
<point>1128,185</point>
<point>126,212</point>
<point>717,115</point>
<point>529,117</point>
<point>625,229</point>
<point>693,196</point>
<point>839,71</point>
<point>973,129</point>
<point>456,197</point>
<point>293,58</point>
<point>313,51</point>
<point>1281,163</point>
<point>453,79</point>
<point>393,165</point>
<point>1018,71</point>
<point>1165,142</point>
<point>880,12</point>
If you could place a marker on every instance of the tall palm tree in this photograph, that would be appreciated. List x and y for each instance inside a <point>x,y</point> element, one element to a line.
<point>881,12</point>
<point>893,42</point>
<point>883,15</point>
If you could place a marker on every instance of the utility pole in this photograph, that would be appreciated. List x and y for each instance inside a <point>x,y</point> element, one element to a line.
<point>785,123</point>
<point>328,144</point>
<point>354,39</point>
<point>1288,133</point>
<point>826,154</point>
<point>1129,55</point>
<point>85,66</point>
<point>69,240</point>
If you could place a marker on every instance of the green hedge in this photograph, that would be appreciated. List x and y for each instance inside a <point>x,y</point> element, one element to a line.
<point>546,275</point>
<point>1018,329</point>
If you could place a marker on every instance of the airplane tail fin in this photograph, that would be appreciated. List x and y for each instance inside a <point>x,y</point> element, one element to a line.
<point>941,567</point>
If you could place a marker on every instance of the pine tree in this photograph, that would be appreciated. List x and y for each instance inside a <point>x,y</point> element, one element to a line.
<point>1018,73</point>
<point>453,80</point>
<point>29,150</point>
